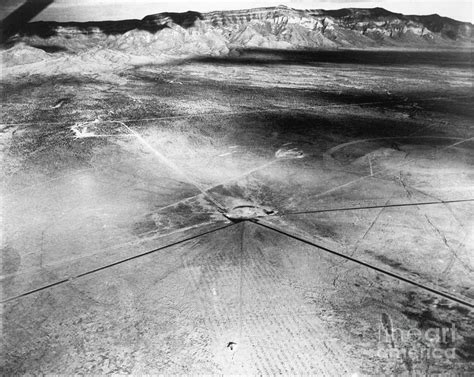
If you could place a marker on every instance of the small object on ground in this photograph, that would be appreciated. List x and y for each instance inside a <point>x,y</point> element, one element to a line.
<point>231,345</point>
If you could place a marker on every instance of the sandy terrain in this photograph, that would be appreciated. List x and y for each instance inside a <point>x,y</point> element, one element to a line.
<point>258,214</point>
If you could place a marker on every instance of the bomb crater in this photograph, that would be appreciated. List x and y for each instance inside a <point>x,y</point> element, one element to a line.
<point>248,212</point>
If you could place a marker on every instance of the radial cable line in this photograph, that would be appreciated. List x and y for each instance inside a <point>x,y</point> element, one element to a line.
<point>374,207</point>
<point>66,280</point>
<point>368,265</point>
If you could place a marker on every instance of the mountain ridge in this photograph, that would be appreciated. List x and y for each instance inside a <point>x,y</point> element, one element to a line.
<point>373,22</point>
<point>169,36</point>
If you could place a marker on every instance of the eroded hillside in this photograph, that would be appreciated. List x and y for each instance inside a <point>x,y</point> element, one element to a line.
<point>168,36</point>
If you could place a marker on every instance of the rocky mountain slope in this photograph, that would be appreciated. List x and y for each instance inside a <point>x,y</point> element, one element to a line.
<point>176,35</point>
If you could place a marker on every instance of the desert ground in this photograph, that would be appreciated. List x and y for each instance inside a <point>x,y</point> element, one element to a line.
<point>269,212</point>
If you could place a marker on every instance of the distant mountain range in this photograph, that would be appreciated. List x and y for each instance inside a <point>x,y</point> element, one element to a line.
<point>323,28</point>
<point>219,33</point>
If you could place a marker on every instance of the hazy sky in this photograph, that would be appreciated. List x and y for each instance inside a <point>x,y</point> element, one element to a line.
<point>85,10</point>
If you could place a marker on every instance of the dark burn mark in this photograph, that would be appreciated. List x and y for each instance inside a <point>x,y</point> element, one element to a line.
<point>457,322</point>
<point>427,319</point>
<point>263,56</point>
<point>144,226</point>
<point>466,349</point>
<point>388,261</point>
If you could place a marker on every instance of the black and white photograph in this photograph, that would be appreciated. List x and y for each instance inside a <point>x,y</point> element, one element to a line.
<point>237,188</point>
